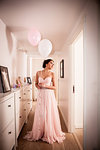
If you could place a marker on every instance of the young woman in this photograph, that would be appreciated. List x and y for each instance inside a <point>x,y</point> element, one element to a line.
<point>46,125</point>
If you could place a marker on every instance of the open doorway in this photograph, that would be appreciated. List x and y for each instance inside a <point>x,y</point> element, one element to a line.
<point>78,89</point>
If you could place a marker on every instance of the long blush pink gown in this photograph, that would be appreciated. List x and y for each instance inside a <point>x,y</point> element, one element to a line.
<point>46,125</point>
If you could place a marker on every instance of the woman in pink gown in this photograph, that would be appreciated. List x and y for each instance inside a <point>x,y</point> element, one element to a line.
<point>46,125</point>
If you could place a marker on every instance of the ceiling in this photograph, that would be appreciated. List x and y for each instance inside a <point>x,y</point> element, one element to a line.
<point>54,19</point>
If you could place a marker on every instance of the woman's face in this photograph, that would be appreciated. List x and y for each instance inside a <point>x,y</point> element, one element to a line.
<point>50,65</point>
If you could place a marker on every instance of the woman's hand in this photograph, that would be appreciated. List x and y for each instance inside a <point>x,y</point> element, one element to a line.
<point>38,87</point>
<point>42,85</point>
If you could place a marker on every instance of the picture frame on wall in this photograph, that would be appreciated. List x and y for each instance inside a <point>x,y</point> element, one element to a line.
<point>5,82</point>
<point>29,80</point>
<point>62,68</point>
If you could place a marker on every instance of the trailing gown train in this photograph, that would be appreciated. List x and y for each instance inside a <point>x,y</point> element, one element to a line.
<point>46,125</point>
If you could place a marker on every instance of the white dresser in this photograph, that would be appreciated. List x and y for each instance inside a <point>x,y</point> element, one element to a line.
<point>20,111</point>
<point>14,110</point>
<point>7,121</point>
<point>27,96</point>
<point>23,105</point>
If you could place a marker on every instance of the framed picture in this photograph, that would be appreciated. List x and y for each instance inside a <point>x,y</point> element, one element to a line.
<point>62,68</point>
<point>4,76</point>
<point>29,80</point>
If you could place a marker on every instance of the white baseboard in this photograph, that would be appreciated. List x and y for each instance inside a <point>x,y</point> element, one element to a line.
<point>66,123</point>
<point>79,126</point>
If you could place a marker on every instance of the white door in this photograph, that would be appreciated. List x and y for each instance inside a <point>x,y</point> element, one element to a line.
<point>78,82</point>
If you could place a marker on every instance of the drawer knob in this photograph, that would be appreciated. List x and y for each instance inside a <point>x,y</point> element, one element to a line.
<point>9,132</point>
<point>24,109</point>
<point>24,93</point>
<point>20,116</point>
<point>9,105</point>
<point>20,97</point>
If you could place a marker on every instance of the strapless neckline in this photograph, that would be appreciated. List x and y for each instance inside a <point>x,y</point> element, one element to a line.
<point>45,78</point>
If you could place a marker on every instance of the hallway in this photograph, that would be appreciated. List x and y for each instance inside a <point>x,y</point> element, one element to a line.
<point>59,22</point>
<point>68,144</point>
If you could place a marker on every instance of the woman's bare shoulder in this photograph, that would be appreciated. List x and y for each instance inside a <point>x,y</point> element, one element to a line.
<point>52,73</point>
<point>39,72</point>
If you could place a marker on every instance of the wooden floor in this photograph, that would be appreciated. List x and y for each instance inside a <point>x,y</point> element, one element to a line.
<point>68,144</point>
<point>79,134</point>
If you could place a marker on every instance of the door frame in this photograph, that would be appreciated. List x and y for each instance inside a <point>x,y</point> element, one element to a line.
<point>81,25</point>
<point>73,81</point>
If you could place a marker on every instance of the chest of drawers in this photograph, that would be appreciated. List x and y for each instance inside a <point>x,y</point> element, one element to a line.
<point>7,121</point>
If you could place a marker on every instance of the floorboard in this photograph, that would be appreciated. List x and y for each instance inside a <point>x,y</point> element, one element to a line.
<point>79,134</point>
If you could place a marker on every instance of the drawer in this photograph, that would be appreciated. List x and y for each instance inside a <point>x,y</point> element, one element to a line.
<point>29,106</point>
<point>29,95</point>
<point>7,138</point>
<point>18,95</point>
<point>20,118</point>
<point>21,122</point>
<point>17,125</point>
<point>22,107</point>
<point>24,95</point>
<point>18,102</point>
<point>6,113</point>
<point>17,105</point>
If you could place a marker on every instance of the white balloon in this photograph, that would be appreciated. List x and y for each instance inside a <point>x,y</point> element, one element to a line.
<point>44,47</point>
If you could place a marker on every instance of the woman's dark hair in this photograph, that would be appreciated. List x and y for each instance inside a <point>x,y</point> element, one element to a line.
<point>46,62</point>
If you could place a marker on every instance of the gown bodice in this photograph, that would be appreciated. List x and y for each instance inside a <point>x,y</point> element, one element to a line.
<point>47,80</point>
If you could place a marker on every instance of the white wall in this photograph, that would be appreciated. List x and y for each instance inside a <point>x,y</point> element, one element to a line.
<point>91,77</point>
<point>10,57</point>
<point>8,51</point>
<point>65,84</point>
<point>91,92</point>
<point>21,64</point>
<point>29,66</point>
<point>99,83</point>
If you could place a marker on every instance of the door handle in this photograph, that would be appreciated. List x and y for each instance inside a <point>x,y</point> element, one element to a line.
<point>73,89</point>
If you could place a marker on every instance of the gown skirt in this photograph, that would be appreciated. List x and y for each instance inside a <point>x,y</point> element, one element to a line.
<point>46,124</point>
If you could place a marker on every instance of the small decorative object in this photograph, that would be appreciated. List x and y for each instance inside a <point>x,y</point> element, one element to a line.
<point>29,80</point>
<point>5,82</point>
<point>62,68</point>
<point>34,37</point>
<point>19,82</point>
<point>44,47</point>
<point>14,85</point>
<point>24,79</point>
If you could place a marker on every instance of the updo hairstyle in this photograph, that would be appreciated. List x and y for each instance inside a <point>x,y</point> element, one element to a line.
<point>46,62</point>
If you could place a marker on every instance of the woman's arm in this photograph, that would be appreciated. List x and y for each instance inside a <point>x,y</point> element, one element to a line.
<point>36,81</point>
